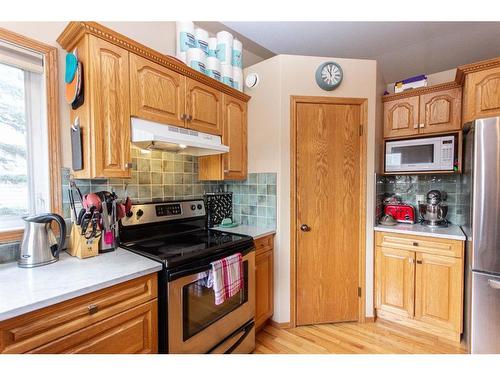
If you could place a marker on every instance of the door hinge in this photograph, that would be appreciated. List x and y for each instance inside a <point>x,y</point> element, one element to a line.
<point>360,130</point>
<point>359,291</point>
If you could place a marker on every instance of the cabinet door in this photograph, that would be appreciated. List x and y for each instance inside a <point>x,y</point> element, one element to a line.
<point>156,93</point>
<point>438,291</point>
<point>395,281</point>
<point>110,100</point>
<point>204,107</point>
<point>235,136</point>
<point>263,288</point>
<point>482,94</point>
<point>401,117</point>
<point>441,111</point>
<point>130,332</point>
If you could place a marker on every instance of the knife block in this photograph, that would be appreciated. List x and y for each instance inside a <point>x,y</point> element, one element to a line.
<point>79,246</point>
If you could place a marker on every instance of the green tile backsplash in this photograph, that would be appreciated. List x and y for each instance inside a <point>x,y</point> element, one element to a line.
<point>456,186</point>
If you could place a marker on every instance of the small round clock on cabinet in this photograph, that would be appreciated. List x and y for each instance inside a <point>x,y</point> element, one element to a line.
<point>329,75</point>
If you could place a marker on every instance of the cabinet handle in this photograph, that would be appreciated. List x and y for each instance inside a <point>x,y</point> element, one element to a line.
<point>129,165</point>
<point>411,260</point>
<point>189,117</point>
<point>419,262</point>
<point>183,116</point>
<point>415,243</point>
<point>415,126</point>
<point>422,125</point>
<point>93,309</point>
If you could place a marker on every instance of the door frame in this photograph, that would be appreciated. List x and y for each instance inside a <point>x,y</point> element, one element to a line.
<point>363,103</point>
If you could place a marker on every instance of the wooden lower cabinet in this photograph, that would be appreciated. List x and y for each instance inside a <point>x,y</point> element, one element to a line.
<point>122,319</point>
<point>395,281</point>
<point>264,280</point>
<point>421,287</point>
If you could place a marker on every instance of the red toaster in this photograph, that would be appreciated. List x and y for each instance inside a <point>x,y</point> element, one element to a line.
<point>403,213</point>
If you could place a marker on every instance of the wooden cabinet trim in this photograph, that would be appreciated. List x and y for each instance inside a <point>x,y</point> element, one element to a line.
<point>31,330</point>
<point>464,70</point>
<point>264,244</point>
<point>77,29</point>
<point>393,120</point>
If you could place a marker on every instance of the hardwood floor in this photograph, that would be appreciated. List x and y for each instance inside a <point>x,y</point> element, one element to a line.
<point>380,337</point>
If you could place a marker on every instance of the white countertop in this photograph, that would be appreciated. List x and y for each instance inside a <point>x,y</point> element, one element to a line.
<point>27,289</point>
<point>452,231</point>
<point>249,230</point>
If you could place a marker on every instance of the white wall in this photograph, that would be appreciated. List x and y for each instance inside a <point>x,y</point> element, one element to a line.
<point>269,146</point>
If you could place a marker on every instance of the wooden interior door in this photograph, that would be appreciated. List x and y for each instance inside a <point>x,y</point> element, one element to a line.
<point>395,278</point>
<point>441,111</point>
<point>235,136</point>
<point>438,290</point>
<point>401,117</point>
<point>111,106</point>
<point>204,107</point>
<point>328,211</point>
<point>156,93</point>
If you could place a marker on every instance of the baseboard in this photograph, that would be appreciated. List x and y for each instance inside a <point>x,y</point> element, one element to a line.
<point>279,325</point>
<point>369,319</point>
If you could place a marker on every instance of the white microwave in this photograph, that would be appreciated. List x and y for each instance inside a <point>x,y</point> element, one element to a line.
<point>420,155</point>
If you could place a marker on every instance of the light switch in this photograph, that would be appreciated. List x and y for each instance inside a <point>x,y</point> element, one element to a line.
<point>419,198</point>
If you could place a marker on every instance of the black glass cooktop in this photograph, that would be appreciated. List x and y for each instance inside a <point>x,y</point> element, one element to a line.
<point>177,249</point>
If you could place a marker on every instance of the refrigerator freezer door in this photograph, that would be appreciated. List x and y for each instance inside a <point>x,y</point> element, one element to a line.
<point>485,314</point>
<point>486,203</point>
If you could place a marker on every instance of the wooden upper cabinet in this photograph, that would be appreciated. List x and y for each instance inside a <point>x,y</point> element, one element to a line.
<point>203,107</point>
<point>482,94</point>
<point>395,281</point>
<point>156,93</point>
<point>401,117</point>
<point>235,136</point>
<point>109,94</point>
<point>441,111</point>
<point>438,291</point>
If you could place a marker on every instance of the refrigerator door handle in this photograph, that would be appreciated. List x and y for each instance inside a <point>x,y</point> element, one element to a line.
<point>494,284</point>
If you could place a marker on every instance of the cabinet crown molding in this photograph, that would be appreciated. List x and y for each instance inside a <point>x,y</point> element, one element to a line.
<point>463,70</point>
<point>75,30</point>
<point>420,91</point>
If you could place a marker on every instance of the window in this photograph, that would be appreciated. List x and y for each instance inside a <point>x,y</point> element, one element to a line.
<point>29,172</point>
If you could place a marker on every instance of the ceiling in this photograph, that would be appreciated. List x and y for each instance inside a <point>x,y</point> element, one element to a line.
<point>402,49</point>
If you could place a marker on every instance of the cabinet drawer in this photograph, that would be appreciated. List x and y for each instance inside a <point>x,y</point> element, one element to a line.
<point>37,328</point>
<point>132,331</point>
<point>431,245</point>
<point>264,244</point>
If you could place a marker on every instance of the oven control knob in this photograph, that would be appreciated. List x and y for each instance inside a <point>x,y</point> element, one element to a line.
<point>139,213</point>
<point>193,207</point>
<point>199,207</point>
<point>129,214</point>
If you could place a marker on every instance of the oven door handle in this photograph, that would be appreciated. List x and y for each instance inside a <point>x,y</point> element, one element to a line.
<point>189,271</point>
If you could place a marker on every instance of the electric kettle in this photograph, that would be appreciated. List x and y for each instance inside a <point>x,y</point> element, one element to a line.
<point>39,246</point>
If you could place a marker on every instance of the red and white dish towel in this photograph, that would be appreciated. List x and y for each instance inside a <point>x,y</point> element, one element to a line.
<point>226,277</point>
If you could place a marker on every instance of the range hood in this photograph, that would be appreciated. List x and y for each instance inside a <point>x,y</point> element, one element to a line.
<point>151,135</point>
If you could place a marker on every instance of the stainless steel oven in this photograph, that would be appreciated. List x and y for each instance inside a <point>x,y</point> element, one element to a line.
<point>197,325</point>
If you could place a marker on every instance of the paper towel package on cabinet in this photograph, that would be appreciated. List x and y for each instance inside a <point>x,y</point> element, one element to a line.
<point>225,47</point>
<point>237,57</point>
<point>201,37</point>
<point>184,36</point>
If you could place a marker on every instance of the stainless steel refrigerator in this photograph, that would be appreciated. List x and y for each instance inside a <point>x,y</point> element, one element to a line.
<point>482,272</point>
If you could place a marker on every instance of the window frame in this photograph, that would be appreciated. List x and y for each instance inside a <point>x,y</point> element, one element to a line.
<point>51,89</point>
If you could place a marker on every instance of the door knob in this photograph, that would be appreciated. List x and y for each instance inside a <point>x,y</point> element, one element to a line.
<point>305,228</point>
